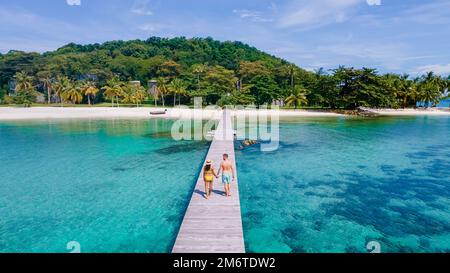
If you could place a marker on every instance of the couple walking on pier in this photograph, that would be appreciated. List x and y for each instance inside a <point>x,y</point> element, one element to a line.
<point>228,175</point>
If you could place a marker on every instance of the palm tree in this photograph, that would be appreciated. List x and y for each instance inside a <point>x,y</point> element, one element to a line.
<point>177,86</point>
<point>61,85</point>
<point>447,84</point>
<point>57,87</point>
<point>297,98</point>
<point>114,90</point>
<point>404,89</point>
<point>162,89</point>
<point>47,83</point>
<point>431,88</point>
<point>25,91</point>
<point>139,95</point>
<point>134,94</point>
<point>411,92</point>
<point>72,93</point>
<point>24,82</point>
<point>448,90</point>
<point>90,90</point>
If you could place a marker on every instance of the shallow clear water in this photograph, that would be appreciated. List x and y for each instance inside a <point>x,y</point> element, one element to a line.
<point>112,186</point>
<point>336,184</point>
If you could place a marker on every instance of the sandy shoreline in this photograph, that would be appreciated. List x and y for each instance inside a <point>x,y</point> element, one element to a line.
<point>45,113</point>
<point>412,112</point>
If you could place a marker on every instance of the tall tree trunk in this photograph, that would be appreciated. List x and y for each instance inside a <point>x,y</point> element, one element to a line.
<point>89,99</point>
<point>174,99</point>
<point>49,99</point>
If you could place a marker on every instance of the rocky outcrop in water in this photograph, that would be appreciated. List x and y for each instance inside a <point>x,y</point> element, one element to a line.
<point>365,112</point>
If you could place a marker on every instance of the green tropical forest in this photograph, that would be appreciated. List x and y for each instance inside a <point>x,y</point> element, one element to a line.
<point>169,72</point>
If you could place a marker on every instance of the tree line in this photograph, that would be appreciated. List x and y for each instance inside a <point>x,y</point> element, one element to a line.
<point>224,73</point>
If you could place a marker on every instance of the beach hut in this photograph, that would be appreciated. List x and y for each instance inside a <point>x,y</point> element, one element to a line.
<point>153,90</point>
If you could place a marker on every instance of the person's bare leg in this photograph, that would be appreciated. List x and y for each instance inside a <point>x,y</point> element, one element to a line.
<point>210,187</point>
<point>229,189</point>
<point>226,189</point>
<point>206,190</point>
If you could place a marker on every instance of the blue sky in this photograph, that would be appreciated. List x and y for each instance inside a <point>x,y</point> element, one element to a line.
<point>411,36</point>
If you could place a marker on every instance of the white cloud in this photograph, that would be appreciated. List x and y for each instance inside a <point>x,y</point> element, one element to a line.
<point>373,2</point>
<point>419,57</point>
<point>319,12</point>
<point>306,13</point>
<point>436,68</point>
<point>48,33</point>
<point>432,13</point>
<point>382,54</point>
<point>429,13</point>
<point>142,7</point>
<point>385,54</point>
<point>73,2</point>
<point>35,32</point>
<point>151,28</point>
<point>254,16</point>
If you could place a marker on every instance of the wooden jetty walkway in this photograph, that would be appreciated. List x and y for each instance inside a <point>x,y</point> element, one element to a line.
<point>214,225</point>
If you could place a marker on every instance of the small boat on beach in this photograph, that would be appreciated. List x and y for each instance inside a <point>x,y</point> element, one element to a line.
<point>155,113</point>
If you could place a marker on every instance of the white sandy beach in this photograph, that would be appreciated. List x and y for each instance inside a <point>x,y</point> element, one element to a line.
<point>412,112</point>
<point>43,113</point>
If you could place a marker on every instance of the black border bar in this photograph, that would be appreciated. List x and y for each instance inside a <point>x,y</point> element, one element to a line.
<point>224,262</point>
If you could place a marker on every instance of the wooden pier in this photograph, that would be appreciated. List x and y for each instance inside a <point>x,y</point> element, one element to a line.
<point>214,225</point>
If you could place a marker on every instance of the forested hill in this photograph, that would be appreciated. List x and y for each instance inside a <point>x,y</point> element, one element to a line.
<point>220,72</point>
<point>135,60</point>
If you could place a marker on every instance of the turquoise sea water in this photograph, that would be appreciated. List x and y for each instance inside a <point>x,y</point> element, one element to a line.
<point>444,104</point>
<point>112,186</point>
<point>336,184</point>
<point>123,186</point>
